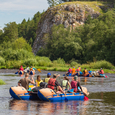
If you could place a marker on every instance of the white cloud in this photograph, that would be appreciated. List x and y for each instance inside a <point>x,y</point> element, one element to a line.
<point>11,5</point>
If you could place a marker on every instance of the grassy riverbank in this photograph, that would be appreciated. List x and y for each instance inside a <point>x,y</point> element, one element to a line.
<point>2,82</point>
<point>60,65</point>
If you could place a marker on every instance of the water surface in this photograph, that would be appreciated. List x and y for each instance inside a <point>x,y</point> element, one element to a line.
<point>101,99</point>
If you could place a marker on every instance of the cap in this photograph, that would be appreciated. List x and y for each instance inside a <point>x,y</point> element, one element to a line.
<point>56,74</point>
<point>48,74</point>
<point>75,77</point>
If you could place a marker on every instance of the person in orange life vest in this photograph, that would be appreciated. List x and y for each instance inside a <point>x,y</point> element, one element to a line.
<point>85,71</point>
<point>101,71</point>
<point>53,83</point>
<point>75,84</point>
<point>73,70</point>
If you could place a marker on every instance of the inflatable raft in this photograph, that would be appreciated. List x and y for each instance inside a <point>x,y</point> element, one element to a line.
<point>78,74</point>
<point>48,94</point>
<point>20,93</point>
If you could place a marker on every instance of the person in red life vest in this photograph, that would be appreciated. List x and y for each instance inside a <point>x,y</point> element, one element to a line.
<point>101,71</point>
<point>75,84</point>
<point>21,68</point>
<point>69,71</point>
<point>53,83</point>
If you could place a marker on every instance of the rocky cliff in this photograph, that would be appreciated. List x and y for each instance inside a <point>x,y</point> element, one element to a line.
<point>71,14</point>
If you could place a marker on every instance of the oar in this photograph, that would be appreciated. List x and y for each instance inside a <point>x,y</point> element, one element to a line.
<point>39,70</point>
<point>16,72</point>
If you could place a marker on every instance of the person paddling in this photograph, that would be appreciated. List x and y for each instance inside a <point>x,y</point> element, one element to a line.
<point>101,71</point>
<point>53,83</point>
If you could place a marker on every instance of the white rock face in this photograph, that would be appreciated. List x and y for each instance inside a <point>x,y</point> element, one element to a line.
<point>69,15</point>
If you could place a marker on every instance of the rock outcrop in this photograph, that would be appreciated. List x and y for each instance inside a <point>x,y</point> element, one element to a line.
<point>69,14</point>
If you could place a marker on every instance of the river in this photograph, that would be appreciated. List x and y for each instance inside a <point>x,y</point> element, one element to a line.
<point>101,98</point>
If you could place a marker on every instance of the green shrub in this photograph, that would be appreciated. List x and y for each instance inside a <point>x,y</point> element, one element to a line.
<point>101,64</point>
<point>2,61</point>
<point>74,63</point>
<point>2,82</point>
<point>30,62</point>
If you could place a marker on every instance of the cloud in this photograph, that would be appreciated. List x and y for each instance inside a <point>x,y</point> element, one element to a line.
<point>11,5</point>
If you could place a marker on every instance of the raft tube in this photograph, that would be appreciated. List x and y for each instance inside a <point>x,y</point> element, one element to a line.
<point>48,94</point>
<point>20,93</point>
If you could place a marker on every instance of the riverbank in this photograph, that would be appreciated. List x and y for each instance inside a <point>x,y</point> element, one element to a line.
<point>45,70</point>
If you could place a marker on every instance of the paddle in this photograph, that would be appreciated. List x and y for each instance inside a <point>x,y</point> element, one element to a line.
<point>16,72</point>
<point>39,70</point>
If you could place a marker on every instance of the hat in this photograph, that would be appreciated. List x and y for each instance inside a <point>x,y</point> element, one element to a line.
<point>48,74</point>
<point>56,74</point>
<point>75,77</point>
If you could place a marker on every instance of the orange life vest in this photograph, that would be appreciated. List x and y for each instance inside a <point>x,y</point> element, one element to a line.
<point>51,83</point>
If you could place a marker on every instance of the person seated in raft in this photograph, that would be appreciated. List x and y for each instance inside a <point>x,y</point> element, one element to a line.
<point>69,71</point>
<point>101,71</point>
<point>32,71</point>
<point>73,70</point>
<point>25,81</point>
<point>75,84</point>
<point>53,84</point>
<point>38,81</point>
<point>27,69</point>
<point>89,71</point>
<point>21,70</point>
<point>77,71</point>
<point>65,84</point>
<point>48,77</point>
<point>85,72</point>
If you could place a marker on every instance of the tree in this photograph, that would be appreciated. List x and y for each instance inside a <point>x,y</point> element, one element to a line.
<point>53,2</point>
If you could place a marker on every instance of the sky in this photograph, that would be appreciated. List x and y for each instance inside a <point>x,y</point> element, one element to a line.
<point>17,10</point>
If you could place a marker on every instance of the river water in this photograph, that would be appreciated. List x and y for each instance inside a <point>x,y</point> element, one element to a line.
<point>101,98</point>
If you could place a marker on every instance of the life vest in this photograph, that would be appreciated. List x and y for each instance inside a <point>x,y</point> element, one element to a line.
<point>69,70</point>
<point>101,72</point>
<point>74,85</point>
<point>64,84</point>
<point>77,69</point>
<point>38,83</point>
<point>73,70</point>
<point>46,80</point>
<point>31,72</point>
<point>85,71</point>
<point>51,83</point>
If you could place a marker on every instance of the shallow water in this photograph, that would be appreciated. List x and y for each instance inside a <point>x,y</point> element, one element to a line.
<point>101,99</point>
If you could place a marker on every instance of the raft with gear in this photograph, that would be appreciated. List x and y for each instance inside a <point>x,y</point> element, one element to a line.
<point>46,94</point>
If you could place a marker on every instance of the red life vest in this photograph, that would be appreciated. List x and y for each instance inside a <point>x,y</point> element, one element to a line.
<point>51,83</point>
<point>77,70</point>
<point>101,72</point>
<point>74,85</point>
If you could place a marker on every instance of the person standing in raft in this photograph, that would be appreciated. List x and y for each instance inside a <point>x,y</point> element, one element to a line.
<point>25,81</point>
<point>75,84</point>
<point>53,83</point>
<point>48,77</point>
<point>66,84</point>
<point>101,71</point>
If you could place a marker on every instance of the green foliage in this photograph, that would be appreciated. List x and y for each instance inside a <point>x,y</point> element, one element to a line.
<point>20,54</point>
<point>2,61</point>
<point>2,82</point>
<point>53,2</point>
<point>101,64</point>
<point>74,63</point>
<point>30,62</point>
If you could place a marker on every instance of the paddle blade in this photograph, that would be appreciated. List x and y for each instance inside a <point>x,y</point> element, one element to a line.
<point>16,72</point>
<point>39,70</point>
<point>86,98</point>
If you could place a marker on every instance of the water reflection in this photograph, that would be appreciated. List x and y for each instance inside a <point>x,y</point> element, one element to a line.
<point>70,107</point>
